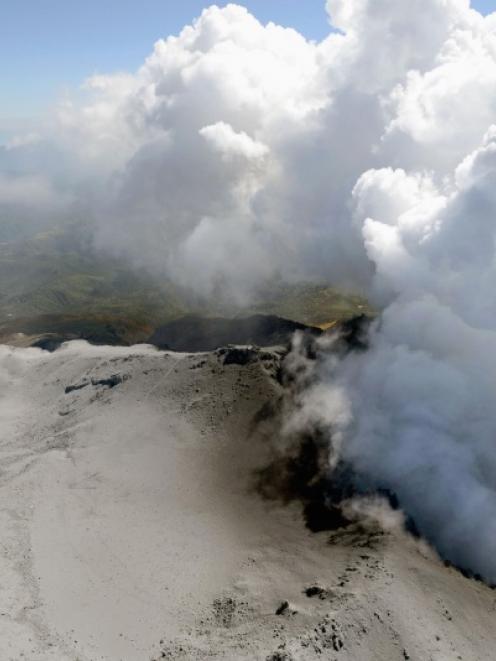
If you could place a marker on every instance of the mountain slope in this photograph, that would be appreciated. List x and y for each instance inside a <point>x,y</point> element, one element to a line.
<point>134,526</point>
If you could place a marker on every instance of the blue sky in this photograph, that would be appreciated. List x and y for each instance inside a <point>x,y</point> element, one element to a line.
<point>47,46</point>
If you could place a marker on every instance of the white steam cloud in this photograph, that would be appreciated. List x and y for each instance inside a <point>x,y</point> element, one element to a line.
<point>240,151</point>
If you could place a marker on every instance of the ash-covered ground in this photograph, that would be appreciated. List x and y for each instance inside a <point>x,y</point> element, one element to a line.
<point>152,509</point>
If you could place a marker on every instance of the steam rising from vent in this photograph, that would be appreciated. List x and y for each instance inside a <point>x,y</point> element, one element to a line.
<point>238,152</point>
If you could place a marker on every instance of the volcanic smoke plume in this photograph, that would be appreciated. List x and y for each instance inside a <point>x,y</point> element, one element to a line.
<point>240,151</point>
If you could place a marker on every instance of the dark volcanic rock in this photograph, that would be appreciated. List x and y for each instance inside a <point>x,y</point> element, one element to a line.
<point>50,331</point>
<point>77,386</point>
<point>239,356</point>
<point>282,608</point>
<point>49,342</point>
<point>193,333</point>
<point>353,333</point>
<point>315,591</point>
<point>110,382</point>
<point>320,517</point>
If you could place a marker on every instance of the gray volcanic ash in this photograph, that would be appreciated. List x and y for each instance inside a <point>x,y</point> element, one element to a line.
<point>134,528</point>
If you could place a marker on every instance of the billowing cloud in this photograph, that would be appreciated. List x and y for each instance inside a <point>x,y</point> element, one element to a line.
<point>422,422</point>
<point>249,139</point>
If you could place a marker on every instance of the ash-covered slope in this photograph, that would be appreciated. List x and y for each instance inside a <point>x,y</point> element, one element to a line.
<point>135,526</point>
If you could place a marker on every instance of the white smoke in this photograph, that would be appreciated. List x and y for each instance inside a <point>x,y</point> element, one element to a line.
<point>240,151</point>
<point>422,398</point>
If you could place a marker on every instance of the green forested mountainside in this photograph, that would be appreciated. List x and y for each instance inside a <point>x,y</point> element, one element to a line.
<point>50,276</point>
<point>55,282</point>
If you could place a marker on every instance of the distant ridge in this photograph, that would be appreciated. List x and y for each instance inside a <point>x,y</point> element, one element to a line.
<point>195,333</point>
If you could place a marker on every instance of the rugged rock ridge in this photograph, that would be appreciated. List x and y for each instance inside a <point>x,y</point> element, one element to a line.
<point>194,333</point>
